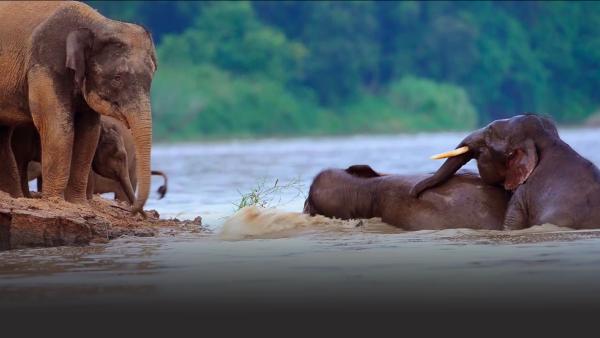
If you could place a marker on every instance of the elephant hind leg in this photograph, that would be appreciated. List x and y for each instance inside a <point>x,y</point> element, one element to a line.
<point>24,179</point>
<point>9,177</point>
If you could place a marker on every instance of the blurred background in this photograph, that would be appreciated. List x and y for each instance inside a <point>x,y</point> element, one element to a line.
<point>252,69</point>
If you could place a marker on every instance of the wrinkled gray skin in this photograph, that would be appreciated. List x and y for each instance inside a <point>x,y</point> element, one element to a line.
<point>551,182</point>
<point>465,201</point>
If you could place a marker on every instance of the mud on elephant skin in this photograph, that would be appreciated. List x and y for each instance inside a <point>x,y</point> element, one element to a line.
<point>63,65</point>
<point>551,182</point>
<point>465,201</point>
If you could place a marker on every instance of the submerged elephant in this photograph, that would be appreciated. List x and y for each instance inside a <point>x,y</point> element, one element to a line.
<point>465,201</point>
<point>63,64</point>
<point>551,182</point>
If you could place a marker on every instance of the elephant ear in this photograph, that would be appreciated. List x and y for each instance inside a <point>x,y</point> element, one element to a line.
<point>79,43</point>
<point>520,165</point>
<point>362,170</point>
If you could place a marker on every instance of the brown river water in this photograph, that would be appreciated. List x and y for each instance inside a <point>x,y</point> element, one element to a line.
<point>279,255</point>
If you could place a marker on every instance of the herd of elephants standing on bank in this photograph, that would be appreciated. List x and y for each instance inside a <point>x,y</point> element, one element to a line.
<point>75,98</point>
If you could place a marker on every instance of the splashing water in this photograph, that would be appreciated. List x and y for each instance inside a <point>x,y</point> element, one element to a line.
<point>263,223</point>
<point>256,222</point>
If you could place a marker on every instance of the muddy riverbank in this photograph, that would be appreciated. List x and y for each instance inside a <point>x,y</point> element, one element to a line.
<point>33,222</point>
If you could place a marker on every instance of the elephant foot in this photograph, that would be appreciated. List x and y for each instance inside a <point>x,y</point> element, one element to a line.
<point>80,198</point>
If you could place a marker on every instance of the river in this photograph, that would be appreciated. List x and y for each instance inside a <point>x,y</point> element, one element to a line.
<point>285,257</point>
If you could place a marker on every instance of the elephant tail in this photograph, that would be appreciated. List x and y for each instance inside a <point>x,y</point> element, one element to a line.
<point>162,190</point>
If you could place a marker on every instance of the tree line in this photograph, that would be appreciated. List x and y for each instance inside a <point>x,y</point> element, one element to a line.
<point>303,67</point>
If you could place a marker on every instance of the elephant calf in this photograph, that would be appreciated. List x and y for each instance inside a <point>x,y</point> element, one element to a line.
<point>464,201</point>
<point>114,164</point>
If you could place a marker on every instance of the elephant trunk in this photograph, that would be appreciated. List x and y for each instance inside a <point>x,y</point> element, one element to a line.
<point>463,153</point>
<point>141,129</point>
<point>446,171</point>
<point>127,187</point>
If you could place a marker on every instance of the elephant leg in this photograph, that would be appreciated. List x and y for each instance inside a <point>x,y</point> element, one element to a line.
<point>9,178</point>
<point>52,116</point>
<point>90,185</point>
<point>22,166</point>
<point>87,133</point>
<point>516,213</point>
<point>121,195</point>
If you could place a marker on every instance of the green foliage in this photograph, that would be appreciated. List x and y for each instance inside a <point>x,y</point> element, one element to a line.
<point>413,104</point>
<point>263,195</point>
<point>295,67</point>
<point>209,102</point>
<point>229,36</point>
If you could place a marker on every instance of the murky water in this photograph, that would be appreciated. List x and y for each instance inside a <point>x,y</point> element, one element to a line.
<point>280,253</point>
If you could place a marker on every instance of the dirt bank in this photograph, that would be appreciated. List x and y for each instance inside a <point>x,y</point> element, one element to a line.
<point>42,223</point>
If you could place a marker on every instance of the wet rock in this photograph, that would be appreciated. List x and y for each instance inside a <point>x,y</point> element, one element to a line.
<point>27,228</point>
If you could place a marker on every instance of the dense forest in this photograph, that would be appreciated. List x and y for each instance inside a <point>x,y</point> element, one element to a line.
<point>304,67</point>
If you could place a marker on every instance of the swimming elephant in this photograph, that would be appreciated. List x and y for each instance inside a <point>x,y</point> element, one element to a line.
<point>465,201</point>
<point>551,182</point>
<point>114,164</point>
<point>63,65</point>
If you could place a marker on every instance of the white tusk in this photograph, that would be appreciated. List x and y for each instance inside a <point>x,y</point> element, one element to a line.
<point>451,153</point>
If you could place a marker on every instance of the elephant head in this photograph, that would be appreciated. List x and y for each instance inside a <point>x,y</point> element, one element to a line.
<point>507,152</point>
<point>110,160</point>
<point>113,66</point>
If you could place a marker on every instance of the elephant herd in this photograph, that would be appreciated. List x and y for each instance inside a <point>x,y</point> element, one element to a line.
<point>527,176</point>
<point>75,98</point>
<point>75,113</point>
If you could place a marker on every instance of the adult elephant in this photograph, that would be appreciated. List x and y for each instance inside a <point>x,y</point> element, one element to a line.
<point>465,201</point>
<point>551,182</point>
<point>63,64</point>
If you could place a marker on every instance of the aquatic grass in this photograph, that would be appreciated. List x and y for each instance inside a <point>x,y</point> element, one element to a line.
<point>263,195</point>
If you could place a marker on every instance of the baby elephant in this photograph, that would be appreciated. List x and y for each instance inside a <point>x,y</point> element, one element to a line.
<point>464,201</point>
<point>114,163</point>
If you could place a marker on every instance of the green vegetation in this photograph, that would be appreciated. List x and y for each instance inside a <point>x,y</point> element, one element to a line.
<point>263,195</point>
<point>265,68</point>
